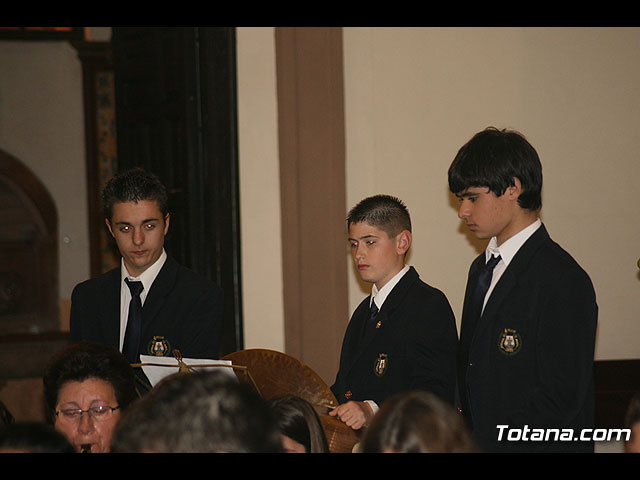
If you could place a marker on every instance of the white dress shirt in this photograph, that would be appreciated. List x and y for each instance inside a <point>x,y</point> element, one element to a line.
<point>147,277</point>
<point>379,296</point>
<point>506,251</point>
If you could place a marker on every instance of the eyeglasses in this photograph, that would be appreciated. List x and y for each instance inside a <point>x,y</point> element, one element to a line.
<point>99,413</point>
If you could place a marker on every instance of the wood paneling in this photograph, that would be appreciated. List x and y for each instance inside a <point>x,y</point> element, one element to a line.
<point>312,165</point>
<point>176,116</point>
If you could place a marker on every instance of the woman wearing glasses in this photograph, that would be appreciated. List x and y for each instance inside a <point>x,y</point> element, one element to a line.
<point>86,388</point>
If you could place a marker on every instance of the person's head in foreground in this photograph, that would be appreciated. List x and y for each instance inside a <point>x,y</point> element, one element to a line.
<point>199,412</point>
<point>632,422</point>
<point>416,422</point>
<point>86,387</point>
<point>33,437</point>
<point>300,427</point>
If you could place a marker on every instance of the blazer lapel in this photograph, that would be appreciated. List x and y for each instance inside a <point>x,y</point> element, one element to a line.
<point>356,335</point>
<point>162,286</point>
<point>466,327</point>
<point>385,316</point>
<point>111,309</point>
<point>507,282</point>
<point>396,296</point>
<point>513,272</point>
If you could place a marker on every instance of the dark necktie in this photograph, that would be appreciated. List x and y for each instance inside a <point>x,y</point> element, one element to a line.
<point>373,314</point>
<point>131,345</point>
<point>370,325</point>
<point>482,286</point>
<point>466,335</point>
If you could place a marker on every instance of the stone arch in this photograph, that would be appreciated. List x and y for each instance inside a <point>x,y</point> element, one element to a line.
<point>28,252</point>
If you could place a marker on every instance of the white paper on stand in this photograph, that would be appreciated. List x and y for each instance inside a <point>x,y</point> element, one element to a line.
<point>164,366</point>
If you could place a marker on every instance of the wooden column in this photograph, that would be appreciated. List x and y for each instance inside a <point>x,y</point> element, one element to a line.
<point>312,165</point>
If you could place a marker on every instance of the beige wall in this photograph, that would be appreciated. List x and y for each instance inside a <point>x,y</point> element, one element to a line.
<point>263,309</point>
<point>42,125</point>
<point>415,95</point>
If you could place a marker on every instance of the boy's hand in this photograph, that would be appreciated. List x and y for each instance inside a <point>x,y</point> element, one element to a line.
<point>354,414</point>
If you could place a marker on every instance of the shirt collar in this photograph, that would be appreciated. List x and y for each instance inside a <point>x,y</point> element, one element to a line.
<point>509,248</point>
<point>381,295</point>
<point>148,276</point>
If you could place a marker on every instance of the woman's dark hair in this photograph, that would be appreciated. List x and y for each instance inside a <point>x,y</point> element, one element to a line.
<point>34,437</point>
<point>632,416</point>
<point>492,159</point>
<point>297,419</point>
<point>417,422</point>
<point>84,360</point>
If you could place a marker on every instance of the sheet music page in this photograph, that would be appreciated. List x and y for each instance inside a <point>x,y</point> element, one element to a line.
<point>165,366</point>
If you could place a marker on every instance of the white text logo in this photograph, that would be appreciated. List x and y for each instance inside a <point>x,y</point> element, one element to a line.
<point>527,434</point>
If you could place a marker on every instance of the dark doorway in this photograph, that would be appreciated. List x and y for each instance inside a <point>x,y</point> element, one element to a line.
<point>175,90</point>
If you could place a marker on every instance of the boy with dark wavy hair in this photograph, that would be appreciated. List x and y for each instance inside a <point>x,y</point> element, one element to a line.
<point>527,337</point>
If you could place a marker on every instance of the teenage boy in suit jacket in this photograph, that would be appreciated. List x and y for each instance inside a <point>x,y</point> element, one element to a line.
<point>180,309</point>
<point>524,363</point>
<point>411,342</point>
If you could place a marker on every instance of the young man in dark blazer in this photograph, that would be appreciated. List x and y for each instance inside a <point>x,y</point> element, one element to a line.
<point>180,309</point>
<point>411,342</point>
<point>526,348</point>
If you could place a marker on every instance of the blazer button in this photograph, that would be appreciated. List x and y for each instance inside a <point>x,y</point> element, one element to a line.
<point>348,395</point>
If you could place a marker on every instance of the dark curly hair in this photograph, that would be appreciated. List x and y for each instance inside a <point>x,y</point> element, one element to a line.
<point>84,360</point>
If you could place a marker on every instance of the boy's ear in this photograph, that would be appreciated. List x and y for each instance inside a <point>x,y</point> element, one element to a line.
<point>403,242</point>
<point>167,217</point>
<point>106,220</point>
<point>516,189</point>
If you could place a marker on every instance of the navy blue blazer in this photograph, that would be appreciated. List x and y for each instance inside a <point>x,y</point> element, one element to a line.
<point>181,311</point>
<point>413,349</point>
<point>529,361</point>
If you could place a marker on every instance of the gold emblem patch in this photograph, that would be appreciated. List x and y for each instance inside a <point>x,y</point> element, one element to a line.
<point>510,342</point>
<point>381,364</point>
<point>159,347</point>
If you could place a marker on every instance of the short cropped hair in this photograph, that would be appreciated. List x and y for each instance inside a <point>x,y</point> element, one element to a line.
<point>384,212</point>
<point>199,412</point>
<point>493,158</point>
<point>86,360</point>
<point>133,186</point>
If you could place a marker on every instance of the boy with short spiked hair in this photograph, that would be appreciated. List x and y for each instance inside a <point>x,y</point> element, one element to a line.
<point>403,336</point>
